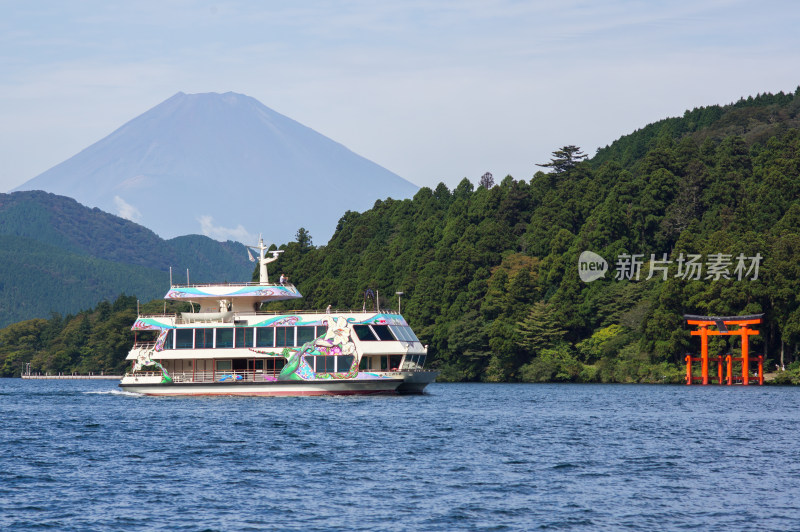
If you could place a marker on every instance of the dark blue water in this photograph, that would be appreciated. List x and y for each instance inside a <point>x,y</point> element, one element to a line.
<point>78,455</point>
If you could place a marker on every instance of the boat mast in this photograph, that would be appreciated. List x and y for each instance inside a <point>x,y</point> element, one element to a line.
<point>263,276</point>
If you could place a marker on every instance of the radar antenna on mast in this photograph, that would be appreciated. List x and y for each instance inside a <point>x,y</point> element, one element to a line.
<point>261,249</point>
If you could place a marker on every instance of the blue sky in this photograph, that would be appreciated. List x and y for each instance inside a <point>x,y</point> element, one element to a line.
<point>433,90</point>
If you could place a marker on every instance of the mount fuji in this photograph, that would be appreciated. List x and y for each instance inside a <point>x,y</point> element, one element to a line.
<point>222,165</point>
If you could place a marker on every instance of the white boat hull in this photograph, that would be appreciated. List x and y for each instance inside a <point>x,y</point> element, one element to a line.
<point>276,388</point>
<point>415,382</point>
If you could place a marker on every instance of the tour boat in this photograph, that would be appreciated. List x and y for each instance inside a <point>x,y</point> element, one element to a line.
<point>228,346</point>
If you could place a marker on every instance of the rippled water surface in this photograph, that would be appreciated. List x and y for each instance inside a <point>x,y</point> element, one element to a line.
<point>78,455</point>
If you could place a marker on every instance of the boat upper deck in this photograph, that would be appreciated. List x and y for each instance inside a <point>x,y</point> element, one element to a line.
<point>256,291</point>
<point>183,318</point>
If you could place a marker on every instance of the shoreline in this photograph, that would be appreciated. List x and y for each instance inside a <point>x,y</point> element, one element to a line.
<point>72,377</point>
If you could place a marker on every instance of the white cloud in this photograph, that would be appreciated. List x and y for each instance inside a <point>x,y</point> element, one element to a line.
<point>239,234</point>
<point>126,210</point>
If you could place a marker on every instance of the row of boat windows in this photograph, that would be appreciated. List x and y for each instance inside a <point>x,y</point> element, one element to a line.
<point>330,364</point>
<point>391,362</point>
<point>210,338</point>
<point>384,332</point>
<point>320,364</point>
<point>268,365</point>
<point>224,337</point>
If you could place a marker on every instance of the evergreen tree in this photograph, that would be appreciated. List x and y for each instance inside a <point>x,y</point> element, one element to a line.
<point>565,159</point>
<point>539,329</point>
<point>303,237</point>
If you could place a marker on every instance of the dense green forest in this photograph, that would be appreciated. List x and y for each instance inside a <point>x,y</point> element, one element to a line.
<point>57,255</point>
<point>490,276</point>
<point>95,340</point>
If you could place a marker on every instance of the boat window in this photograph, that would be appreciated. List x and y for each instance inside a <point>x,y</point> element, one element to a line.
<point>244,336</point>
<point>168,340</point>
<point>414,361</point>
<point>225,337</point>
<point>364,333</point>
<point>322,330</point>
<point>204,338</point>
<point>344,363</point>
<point>258,364</point>
<point>331,363</point>
<point>284,336</point>
<point>325,364</point>
<point>403,333</point>
<point>400,333</point>
<point>394,362</point>
<point>183,338</point>
<point>274,365</point>
<point>223,365</point>
<point>265,337</point>
<point>364,364</point>
<point>305,334</point>
<point>383,332</point>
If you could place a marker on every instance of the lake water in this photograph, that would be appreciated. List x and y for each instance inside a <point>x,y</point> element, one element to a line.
<point>79,455</point>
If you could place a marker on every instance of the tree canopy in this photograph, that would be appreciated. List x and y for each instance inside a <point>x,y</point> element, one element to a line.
<point>564,159</point>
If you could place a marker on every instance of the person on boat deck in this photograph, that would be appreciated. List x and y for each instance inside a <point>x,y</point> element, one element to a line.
<point>283,279</point>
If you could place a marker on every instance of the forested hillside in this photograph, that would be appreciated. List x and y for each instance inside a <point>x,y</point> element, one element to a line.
<point>57,255</point>
<point>490,276</point>
<point>755,119</point>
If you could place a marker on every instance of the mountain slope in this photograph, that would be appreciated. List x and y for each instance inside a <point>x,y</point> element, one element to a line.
<point>38,279</point>
<point>58,255</point>
<point>223,165</point>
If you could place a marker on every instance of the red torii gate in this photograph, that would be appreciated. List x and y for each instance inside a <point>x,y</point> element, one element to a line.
<point>722,323</point>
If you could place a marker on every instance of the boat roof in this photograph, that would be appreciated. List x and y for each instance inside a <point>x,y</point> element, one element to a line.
<point>253,291</point>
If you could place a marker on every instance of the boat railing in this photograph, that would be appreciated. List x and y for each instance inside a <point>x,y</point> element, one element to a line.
<point>179,320</point>
<point>258,375</point>
<point>144,345</point>
<point>203,285</point>
<point>226,376</point>
<point>395,370</point>
<point>298,311</point>
<point>145,374</point>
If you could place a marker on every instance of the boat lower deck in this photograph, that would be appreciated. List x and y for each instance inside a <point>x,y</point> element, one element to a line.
<point>258,383</point>
<point>274,388</point>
